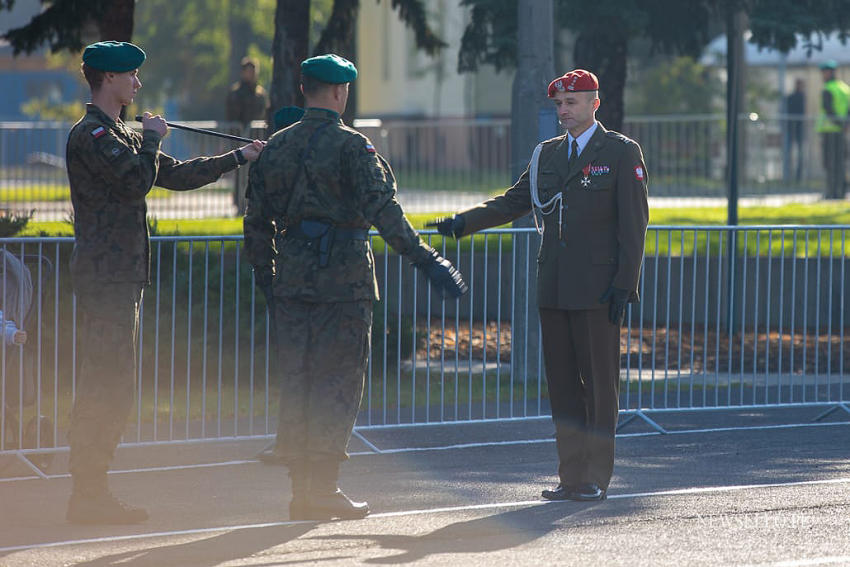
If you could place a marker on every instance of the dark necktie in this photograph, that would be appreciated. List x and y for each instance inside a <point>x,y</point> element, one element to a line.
<point>573,159</point>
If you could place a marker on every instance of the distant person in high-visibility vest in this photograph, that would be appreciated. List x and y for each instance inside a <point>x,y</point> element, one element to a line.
<point>831,125</point>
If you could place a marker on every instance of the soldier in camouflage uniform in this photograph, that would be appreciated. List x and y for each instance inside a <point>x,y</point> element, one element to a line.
<point>318,187</point>
<point>111,168</point>
<point>246,100</point>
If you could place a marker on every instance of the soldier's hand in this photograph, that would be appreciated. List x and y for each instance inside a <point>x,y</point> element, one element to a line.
<point>252,151</point>
<point>618,299</point>
<point>20,337</point>
<point>448,226</point>
<point>155,123</point>
<point>443,275</point>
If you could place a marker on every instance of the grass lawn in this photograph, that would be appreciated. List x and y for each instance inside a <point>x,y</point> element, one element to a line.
<point>61,192</point>
<point>675,241</point>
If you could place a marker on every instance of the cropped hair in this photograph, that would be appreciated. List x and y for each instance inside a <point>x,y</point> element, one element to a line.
<point>312,85</point>
<point>94,77</point>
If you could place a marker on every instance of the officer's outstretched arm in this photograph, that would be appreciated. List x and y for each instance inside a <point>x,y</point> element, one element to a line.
<point>449,226</point>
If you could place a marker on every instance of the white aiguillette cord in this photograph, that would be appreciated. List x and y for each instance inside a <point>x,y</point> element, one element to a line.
<point>550,205</point>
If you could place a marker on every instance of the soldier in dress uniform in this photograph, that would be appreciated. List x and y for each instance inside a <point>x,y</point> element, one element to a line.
<point>111,168</point>
<point>312,196</point>
<point>590,187</point>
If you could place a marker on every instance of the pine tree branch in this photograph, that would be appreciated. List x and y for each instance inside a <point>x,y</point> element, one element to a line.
<point>412,13</point>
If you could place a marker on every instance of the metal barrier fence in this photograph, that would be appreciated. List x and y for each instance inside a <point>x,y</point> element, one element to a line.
<point>764,326</point>
<point>442,164</point>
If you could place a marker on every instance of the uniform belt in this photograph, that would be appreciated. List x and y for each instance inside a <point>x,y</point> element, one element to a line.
<point>339,233</point>
<point>321,236</point>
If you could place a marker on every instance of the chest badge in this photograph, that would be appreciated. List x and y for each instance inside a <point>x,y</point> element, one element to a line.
<point>585,181</point>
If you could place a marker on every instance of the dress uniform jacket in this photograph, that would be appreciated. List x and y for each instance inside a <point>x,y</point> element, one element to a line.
<point>600,242</point>
<point>111,169</point>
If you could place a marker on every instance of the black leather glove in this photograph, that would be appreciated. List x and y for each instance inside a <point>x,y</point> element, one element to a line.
<point>619,298</point>
<point>443,276</point>
<point>448,226</point>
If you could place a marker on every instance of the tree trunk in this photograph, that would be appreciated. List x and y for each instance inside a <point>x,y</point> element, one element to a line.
<point>339,37</point>
<point>239,27</point>
<point>289,49</point>
<point>533,119</point>
<point>116,23</point>
<point>606,57</point>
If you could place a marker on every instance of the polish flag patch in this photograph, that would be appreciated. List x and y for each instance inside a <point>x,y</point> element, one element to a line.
<point>639,175</point>
<point>98,132</point>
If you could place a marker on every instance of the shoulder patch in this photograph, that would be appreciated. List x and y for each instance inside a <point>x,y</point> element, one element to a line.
<point>98,132</point>
<point>369,147</point>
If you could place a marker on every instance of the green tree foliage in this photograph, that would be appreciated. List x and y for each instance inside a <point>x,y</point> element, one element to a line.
<point>64,23</point>
<point>337,37</point>
<point>192,45</point>
<point>688,88</point>
<point>604,29</point>
<point>189,51</point>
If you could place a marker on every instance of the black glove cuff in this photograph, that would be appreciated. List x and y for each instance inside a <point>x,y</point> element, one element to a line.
<point>458,224</point>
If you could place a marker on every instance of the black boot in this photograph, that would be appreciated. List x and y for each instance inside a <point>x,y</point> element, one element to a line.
<point>326,501</point>
<point>92,503</point>
<point>299,475</point>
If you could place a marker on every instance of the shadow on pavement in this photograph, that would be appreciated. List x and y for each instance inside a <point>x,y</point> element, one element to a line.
<point>207,552</point>
<point>481,535</point>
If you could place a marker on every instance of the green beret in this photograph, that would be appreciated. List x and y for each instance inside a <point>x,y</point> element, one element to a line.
<point>287,116</point>
<point>329,68</point>
<point>113,56</point>
<point>829,64</point>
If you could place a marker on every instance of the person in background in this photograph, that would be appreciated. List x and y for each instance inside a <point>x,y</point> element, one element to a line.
<point>795,109</point>
<point>246,100</point>
<point>832,126</point>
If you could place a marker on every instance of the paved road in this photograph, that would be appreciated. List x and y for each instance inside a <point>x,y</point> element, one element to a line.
<point>468,495</point>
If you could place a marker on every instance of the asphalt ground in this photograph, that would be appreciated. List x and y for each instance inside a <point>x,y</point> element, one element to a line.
<point>468,494</point>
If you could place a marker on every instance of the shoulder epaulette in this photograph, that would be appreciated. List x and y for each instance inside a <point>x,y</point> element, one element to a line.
<point>621,137</point>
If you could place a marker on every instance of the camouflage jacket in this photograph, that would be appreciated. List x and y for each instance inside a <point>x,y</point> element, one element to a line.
<point>110,169</point>
<point>246,102</point>
<point>319,169</point>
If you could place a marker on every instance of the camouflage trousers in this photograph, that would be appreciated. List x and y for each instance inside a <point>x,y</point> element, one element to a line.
<point>322,353</point>
<point>106,341</point>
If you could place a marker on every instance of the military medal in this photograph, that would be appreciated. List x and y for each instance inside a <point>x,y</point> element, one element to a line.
<point>585,181</point>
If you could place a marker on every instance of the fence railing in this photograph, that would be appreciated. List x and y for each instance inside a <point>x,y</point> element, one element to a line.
<point>443,164</point>
<point>729,317</point>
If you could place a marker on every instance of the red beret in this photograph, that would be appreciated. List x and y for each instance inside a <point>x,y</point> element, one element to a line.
<point>577,80</point>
